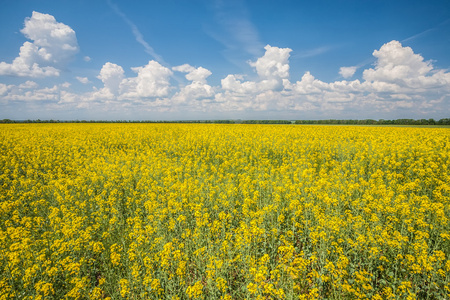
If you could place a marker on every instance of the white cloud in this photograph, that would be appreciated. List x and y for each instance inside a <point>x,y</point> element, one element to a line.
<point>313,52</point>
<point>272,68</point>
<point>400,81</point>
<point>274,63</point>
<point>83,80</point>
<point>4,89</point>
<point>194,74</point>
<point>152,80</point>
<point>186,68</point>
<point>54,45</point>
<point>399,75</point>
<point>235,29</point>
<point>200,74</point>
<point>29,92</point>
<point>307,85</point>
<point>111,75</point>
<point>197,89</point>
<point>67,97</point>
<point>193,92</point>
<point>234,83</point>
<point>28,85</point>
<point>137,34</point>
<point>396,64</point>
<point>86,58</point>
<point>399,70</point>
<point>347,72</point>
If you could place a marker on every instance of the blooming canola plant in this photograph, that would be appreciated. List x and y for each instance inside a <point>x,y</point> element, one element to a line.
<point>206,211</point>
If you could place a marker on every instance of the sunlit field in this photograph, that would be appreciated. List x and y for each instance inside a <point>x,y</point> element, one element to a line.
<point>203,211</point>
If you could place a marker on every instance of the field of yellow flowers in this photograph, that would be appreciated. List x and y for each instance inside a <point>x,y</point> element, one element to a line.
<point>203,211</point>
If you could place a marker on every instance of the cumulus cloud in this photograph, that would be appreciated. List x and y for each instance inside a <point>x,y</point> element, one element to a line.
<point>396,64</point>
<point>152,80</point>
<point>347,72</point>
<point>186,68</point>
<point>28,85</point>
<point>400,80</point>
<point>53,45</point>
<point>398,70</point>
<point>29,93</point>
<point>83,80</point>
<point>272,68</point>
<point>274,63</point>
<point>308,85</point>
<point>193,74</point>
<point>3,89</point>
<point>236,84</point>
<point>111,75</point>
<point>192,93</point>
<point>198,89</point>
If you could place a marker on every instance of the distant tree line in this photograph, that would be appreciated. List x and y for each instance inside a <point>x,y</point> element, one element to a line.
<point>445,121</point>
<point>266,122</point>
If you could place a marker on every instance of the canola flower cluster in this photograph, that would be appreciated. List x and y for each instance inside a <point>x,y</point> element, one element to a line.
<point>202,211</point>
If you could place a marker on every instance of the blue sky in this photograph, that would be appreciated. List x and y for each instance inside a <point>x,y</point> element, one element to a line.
<point>198,59</point>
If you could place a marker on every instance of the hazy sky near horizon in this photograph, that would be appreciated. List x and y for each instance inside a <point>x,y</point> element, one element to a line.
<point>224,59</point>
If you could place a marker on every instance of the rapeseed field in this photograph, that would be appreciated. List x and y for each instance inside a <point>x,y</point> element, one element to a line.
<point>202,211</point>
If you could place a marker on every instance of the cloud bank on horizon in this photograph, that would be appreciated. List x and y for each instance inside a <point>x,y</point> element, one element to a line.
<point>399,80</point>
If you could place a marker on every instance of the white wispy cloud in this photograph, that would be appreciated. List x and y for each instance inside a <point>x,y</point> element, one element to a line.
<point>137,34</point>
<point>425,32</point>
<point>234,29</point>
<point>312,52</point>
